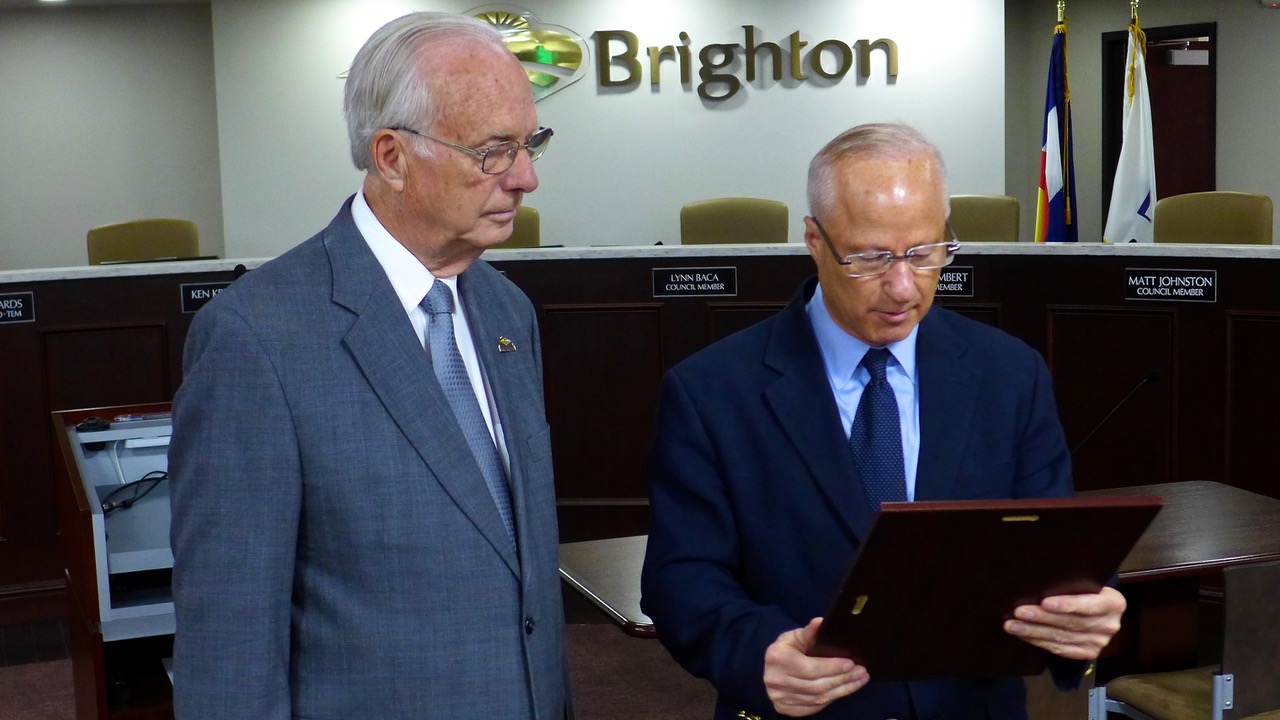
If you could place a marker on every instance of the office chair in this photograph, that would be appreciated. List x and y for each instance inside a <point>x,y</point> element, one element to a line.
<point>526,231</point>
<point>1244,686</point>
<point>984,218</point>
<point>1219,217</point>
<point>143,240</point>
<point>733,220</point>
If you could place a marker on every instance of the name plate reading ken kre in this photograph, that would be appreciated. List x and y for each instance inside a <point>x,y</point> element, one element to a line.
<point>17,307</point>
<point>955,281</point>
<point>701,281</point>
<point>195,295</point>
<point>1171,285</point>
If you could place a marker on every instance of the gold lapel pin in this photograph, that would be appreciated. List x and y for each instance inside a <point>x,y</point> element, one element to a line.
<point>505,345</point>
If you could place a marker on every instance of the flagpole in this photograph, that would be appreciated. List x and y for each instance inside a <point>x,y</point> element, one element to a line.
<point>1055,194</point>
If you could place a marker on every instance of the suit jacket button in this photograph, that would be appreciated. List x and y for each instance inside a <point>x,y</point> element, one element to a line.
<point>528,625</point>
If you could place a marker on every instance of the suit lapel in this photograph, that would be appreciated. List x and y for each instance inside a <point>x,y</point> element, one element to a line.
<point>382,342</point>
<point>806,411</point>
<point>949,383</point>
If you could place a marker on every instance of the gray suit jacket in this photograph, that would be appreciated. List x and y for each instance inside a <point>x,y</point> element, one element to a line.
<point>336,551</point>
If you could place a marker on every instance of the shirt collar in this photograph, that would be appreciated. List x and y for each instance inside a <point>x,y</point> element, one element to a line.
<point>410,279</point>
<point>840,350</point>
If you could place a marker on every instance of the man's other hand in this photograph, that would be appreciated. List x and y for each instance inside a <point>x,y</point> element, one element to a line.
<point>800,685</point>
<point>1077,627</point>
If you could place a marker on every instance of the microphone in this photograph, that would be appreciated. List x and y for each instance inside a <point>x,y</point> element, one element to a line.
<point>1152,377</point>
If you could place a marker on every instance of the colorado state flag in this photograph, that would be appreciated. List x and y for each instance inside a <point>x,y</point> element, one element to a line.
<point>1133,196</point>
<point>1055,204</point>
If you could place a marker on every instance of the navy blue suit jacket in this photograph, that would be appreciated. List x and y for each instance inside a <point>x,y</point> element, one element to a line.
<point>757,509</point>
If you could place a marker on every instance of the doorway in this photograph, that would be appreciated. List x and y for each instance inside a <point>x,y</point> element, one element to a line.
<point>1182,81</point>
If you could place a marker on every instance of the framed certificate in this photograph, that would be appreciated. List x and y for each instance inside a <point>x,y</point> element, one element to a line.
<point>933,583</point>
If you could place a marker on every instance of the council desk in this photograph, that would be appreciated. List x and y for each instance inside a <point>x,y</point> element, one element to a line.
<point>1161,358</point>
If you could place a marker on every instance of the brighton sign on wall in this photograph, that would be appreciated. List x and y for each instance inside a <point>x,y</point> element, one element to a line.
<point>715,59</point>
<point>555,57</point>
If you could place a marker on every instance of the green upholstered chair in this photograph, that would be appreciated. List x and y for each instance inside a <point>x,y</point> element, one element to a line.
<point>984,218</point>
<point>1217,217</point>
<point>1245,685</point>
<point>149,239</point>
<point>526,231</point>
<point>733,220</point>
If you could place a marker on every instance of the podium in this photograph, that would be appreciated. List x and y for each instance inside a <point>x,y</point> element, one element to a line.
<point>118,563</point>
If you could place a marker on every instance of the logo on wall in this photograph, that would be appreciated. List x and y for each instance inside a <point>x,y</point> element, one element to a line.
<point>554,57</point>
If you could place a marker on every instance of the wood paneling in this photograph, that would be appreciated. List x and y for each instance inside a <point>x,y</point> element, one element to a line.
<point>607,340</point>
<point>95,342</point>
<point>105,366</point>
<point>1112,371</point>
<point>602,367</point>
<point>1253,401</point>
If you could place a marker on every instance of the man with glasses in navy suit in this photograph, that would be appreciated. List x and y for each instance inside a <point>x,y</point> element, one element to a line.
<point>775,447</point>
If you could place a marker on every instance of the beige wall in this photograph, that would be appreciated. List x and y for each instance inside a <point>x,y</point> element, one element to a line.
<point>1248,85</point>
<point>623,161</point>
<point>108,115</point>
<point>229,113</point>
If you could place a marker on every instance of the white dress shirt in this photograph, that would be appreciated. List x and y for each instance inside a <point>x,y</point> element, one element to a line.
<point>411,281</point>
<point>842,355</point>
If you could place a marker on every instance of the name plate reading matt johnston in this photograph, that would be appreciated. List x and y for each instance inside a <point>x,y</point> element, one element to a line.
<point>703,281</point>
<point>1171,285</point>
<point>955,281</point>
<point>17,307</point>
<point>195,295</point>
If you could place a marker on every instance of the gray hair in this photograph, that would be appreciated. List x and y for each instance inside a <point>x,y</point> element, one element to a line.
<point>386,86</point>
<point>882,141</point>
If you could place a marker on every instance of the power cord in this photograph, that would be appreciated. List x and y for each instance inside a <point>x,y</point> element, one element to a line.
<point>137,490</point>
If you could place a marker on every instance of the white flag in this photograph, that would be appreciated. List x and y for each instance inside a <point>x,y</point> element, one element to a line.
<point>1133,195</point>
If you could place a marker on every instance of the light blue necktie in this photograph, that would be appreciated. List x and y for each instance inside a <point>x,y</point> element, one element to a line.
<point>875,440</point>
<point>452,374</point>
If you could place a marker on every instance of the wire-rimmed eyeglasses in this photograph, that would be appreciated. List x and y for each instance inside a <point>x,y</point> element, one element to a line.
<point>921,257</point>
<point>497,159</point>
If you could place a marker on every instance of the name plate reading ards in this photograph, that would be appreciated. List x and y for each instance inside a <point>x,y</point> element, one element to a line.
<point>1171,285</point>
<point>17,307</point>
<point>195,295</point>
<point>703,281</point>
<point>955,281</point>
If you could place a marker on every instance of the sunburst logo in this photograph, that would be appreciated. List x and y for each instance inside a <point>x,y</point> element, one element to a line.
<point>554,57</point>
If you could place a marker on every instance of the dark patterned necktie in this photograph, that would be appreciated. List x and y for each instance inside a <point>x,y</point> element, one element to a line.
<point>452,374</point>
<point>875,440</point>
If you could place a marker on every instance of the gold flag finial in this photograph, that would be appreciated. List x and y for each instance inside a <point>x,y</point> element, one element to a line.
<point>1133,9</point>
<point>1062,10</point>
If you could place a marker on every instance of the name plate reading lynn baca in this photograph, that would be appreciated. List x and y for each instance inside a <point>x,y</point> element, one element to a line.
<point>695,281</point>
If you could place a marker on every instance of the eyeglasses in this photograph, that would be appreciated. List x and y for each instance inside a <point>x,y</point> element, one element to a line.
<point>920,257</point>
<point>497,159</point>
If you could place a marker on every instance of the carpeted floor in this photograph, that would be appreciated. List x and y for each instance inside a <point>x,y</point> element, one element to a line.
<point>619,677</point>
<point>614,676</point>
<point>37,691</point>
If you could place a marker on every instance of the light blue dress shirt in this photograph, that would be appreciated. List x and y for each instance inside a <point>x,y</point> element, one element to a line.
<point>842,354</point>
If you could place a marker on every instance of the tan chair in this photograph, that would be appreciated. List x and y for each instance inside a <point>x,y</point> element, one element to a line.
<point>526,231</point>
<point>984,218</point>
<point>143,240</point>
<point>1217,217</point>
<point>1243,686</point>
<point>733,220</point>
